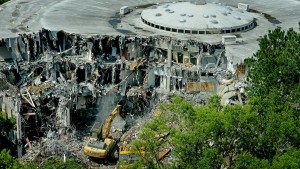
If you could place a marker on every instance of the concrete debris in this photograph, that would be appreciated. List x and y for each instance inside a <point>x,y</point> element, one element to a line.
<point>52,81</point>
<point>233,94</point>
<point>162,136</point>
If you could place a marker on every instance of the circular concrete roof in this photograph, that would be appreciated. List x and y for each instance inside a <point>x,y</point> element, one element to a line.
<point>189,16</point>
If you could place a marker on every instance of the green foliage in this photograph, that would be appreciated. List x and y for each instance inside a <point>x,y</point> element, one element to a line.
<point>246,160</point>
<point>275,71</point>
<point>274,93</point>
<point>202,137</point>
<point>150,144</point>
<point>3,1</point>
<point>289,159</point>
<point>215,102</point>
<point>214,136</point>
<point>56,163</point>
<point>6,160</point>
<point>9,162</point>
<point>6,124</point>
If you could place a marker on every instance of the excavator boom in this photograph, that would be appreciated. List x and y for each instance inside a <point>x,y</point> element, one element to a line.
<point>109,120</point>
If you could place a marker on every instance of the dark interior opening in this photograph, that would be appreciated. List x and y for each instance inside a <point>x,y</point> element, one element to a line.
<point>180,58</point>
<point>178,84</point>
<point>118,73</point>
<point>157,81</point>
<point>80,74</point>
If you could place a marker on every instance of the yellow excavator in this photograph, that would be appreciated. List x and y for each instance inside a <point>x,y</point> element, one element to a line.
<point>128,157</point>
<point>100,145</point>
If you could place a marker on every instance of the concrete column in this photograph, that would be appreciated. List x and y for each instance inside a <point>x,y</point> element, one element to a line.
<point>174,84</point>
<point>168,84</point>
<point>27,50</point>
<point>113,74</point>
<point>151,78</point>
<point>56,68</point>
<point>169,61</point>
<point>199,60</point>
<point>89,54</point>
<point>19,126</point>
<point>47,71</point>
<point>165,83</point>
<point>169,64</point>
<point>162,82</point>
<point>53,70</point>
<point>19,135</point>
<point>67,120</point>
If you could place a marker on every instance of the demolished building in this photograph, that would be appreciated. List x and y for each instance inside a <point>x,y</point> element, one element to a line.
<point>49,76</point>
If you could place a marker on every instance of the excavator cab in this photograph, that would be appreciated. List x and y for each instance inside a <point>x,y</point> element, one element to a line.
<point>94,135</point>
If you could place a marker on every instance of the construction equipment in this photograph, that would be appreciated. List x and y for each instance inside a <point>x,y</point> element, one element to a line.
<point>127,158</point>
<point>127,154</point>
<point>100,145</point>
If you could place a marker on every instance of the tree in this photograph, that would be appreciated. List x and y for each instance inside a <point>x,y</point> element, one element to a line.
<point>246,160</point>
<point>9,162</point>
<point>288,159</point>
<point>3,1</point>
<point>274,72</point>
<point>6,160</point>
<point>214,136</point>
<point>274,92</point>
<point>202,137</point>
<point>149,143</point>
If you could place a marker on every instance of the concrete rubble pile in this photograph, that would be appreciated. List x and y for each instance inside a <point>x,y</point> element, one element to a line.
<point>233,87</point>
<point>47,78</point>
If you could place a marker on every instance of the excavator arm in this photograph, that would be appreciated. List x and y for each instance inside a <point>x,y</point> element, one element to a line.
<point>107,125</point>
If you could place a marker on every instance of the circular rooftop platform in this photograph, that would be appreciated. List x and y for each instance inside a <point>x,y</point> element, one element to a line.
<point>189,18</point>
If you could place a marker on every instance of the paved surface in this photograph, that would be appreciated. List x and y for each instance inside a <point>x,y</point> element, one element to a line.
<point>75,16</point>
<point>93,16</point>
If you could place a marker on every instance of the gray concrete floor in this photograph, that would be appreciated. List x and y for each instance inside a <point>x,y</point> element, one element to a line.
<point>74,16</point>
<point>92,16</point>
